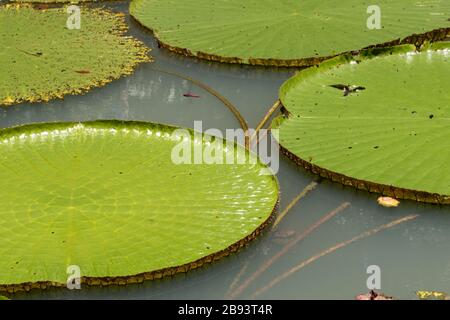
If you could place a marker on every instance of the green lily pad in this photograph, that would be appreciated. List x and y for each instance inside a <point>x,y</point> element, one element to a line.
<point>389,136</point>
<point>106,196</point>
<point>41,58</point>
<point>288,32</point>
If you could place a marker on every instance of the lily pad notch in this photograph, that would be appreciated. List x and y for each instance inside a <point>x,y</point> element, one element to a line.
<point>108,198</point>
<point>287,33</point>
<point>388,138</point>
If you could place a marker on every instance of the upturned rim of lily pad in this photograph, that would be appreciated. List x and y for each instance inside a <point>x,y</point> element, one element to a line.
<point>416,39</point>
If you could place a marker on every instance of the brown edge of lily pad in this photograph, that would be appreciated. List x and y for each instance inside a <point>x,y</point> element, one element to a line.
<point>152,275</point>
<point>416,39</point>
<point>120,30</point>
<point>387,190</point>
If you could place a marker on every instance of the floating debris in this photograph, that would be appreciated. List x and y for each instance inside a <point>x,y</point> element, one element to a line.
<point>347,89</point>
<point>432,295</point>
<point>190,95</point>
<point>373,295</point>
<point>388,202</point>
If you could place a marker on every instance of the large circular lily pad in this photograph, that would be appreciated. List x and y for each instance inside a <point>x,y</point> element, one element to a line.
<point>287,32</point>
<point>390,135</point>
<point>41,58</point>
<point>106,196</point>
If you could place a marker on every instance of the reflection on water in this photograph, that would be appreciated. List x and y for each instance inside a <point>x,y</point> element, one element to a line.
<point>412,256</point>
<point>147,95</point>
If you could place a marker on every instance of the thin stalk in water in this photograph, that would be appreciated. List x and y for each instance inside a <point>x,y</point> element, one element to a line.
<point>331,250</point>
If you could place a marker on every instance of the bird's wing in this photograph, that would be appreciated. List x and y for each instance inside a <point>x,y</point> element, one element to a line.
<point>339,86</point>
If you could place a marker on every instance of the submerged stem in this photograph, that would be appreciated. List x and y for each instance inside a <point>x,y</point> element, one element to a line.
<point>302,194</point>
<point>238,277</point>
<point>331,250</point>
<point>266,118</point>
<point>286,248</point>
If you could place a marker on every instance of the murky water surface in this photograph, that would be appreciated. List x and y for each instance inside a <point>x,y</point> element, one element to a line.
<point>412,256</point>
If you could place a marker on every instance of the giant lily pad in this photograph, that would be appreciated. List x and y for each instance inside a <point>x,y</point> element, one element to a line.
<point>106,196</point>
<point>41,58</point>
<point>287,32</point>
<point>389,136</point>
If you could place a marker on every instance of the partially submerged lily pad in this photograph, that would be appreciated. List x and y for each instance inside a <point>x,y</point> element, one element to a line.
<point>288,32</point>
<point>41,56</point>
<point>391,138</point>
<point>107,197</point>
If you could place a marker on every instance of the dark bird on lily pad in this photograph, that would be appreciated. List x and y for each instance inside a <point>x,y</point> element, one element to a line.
<point>347,89</point>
